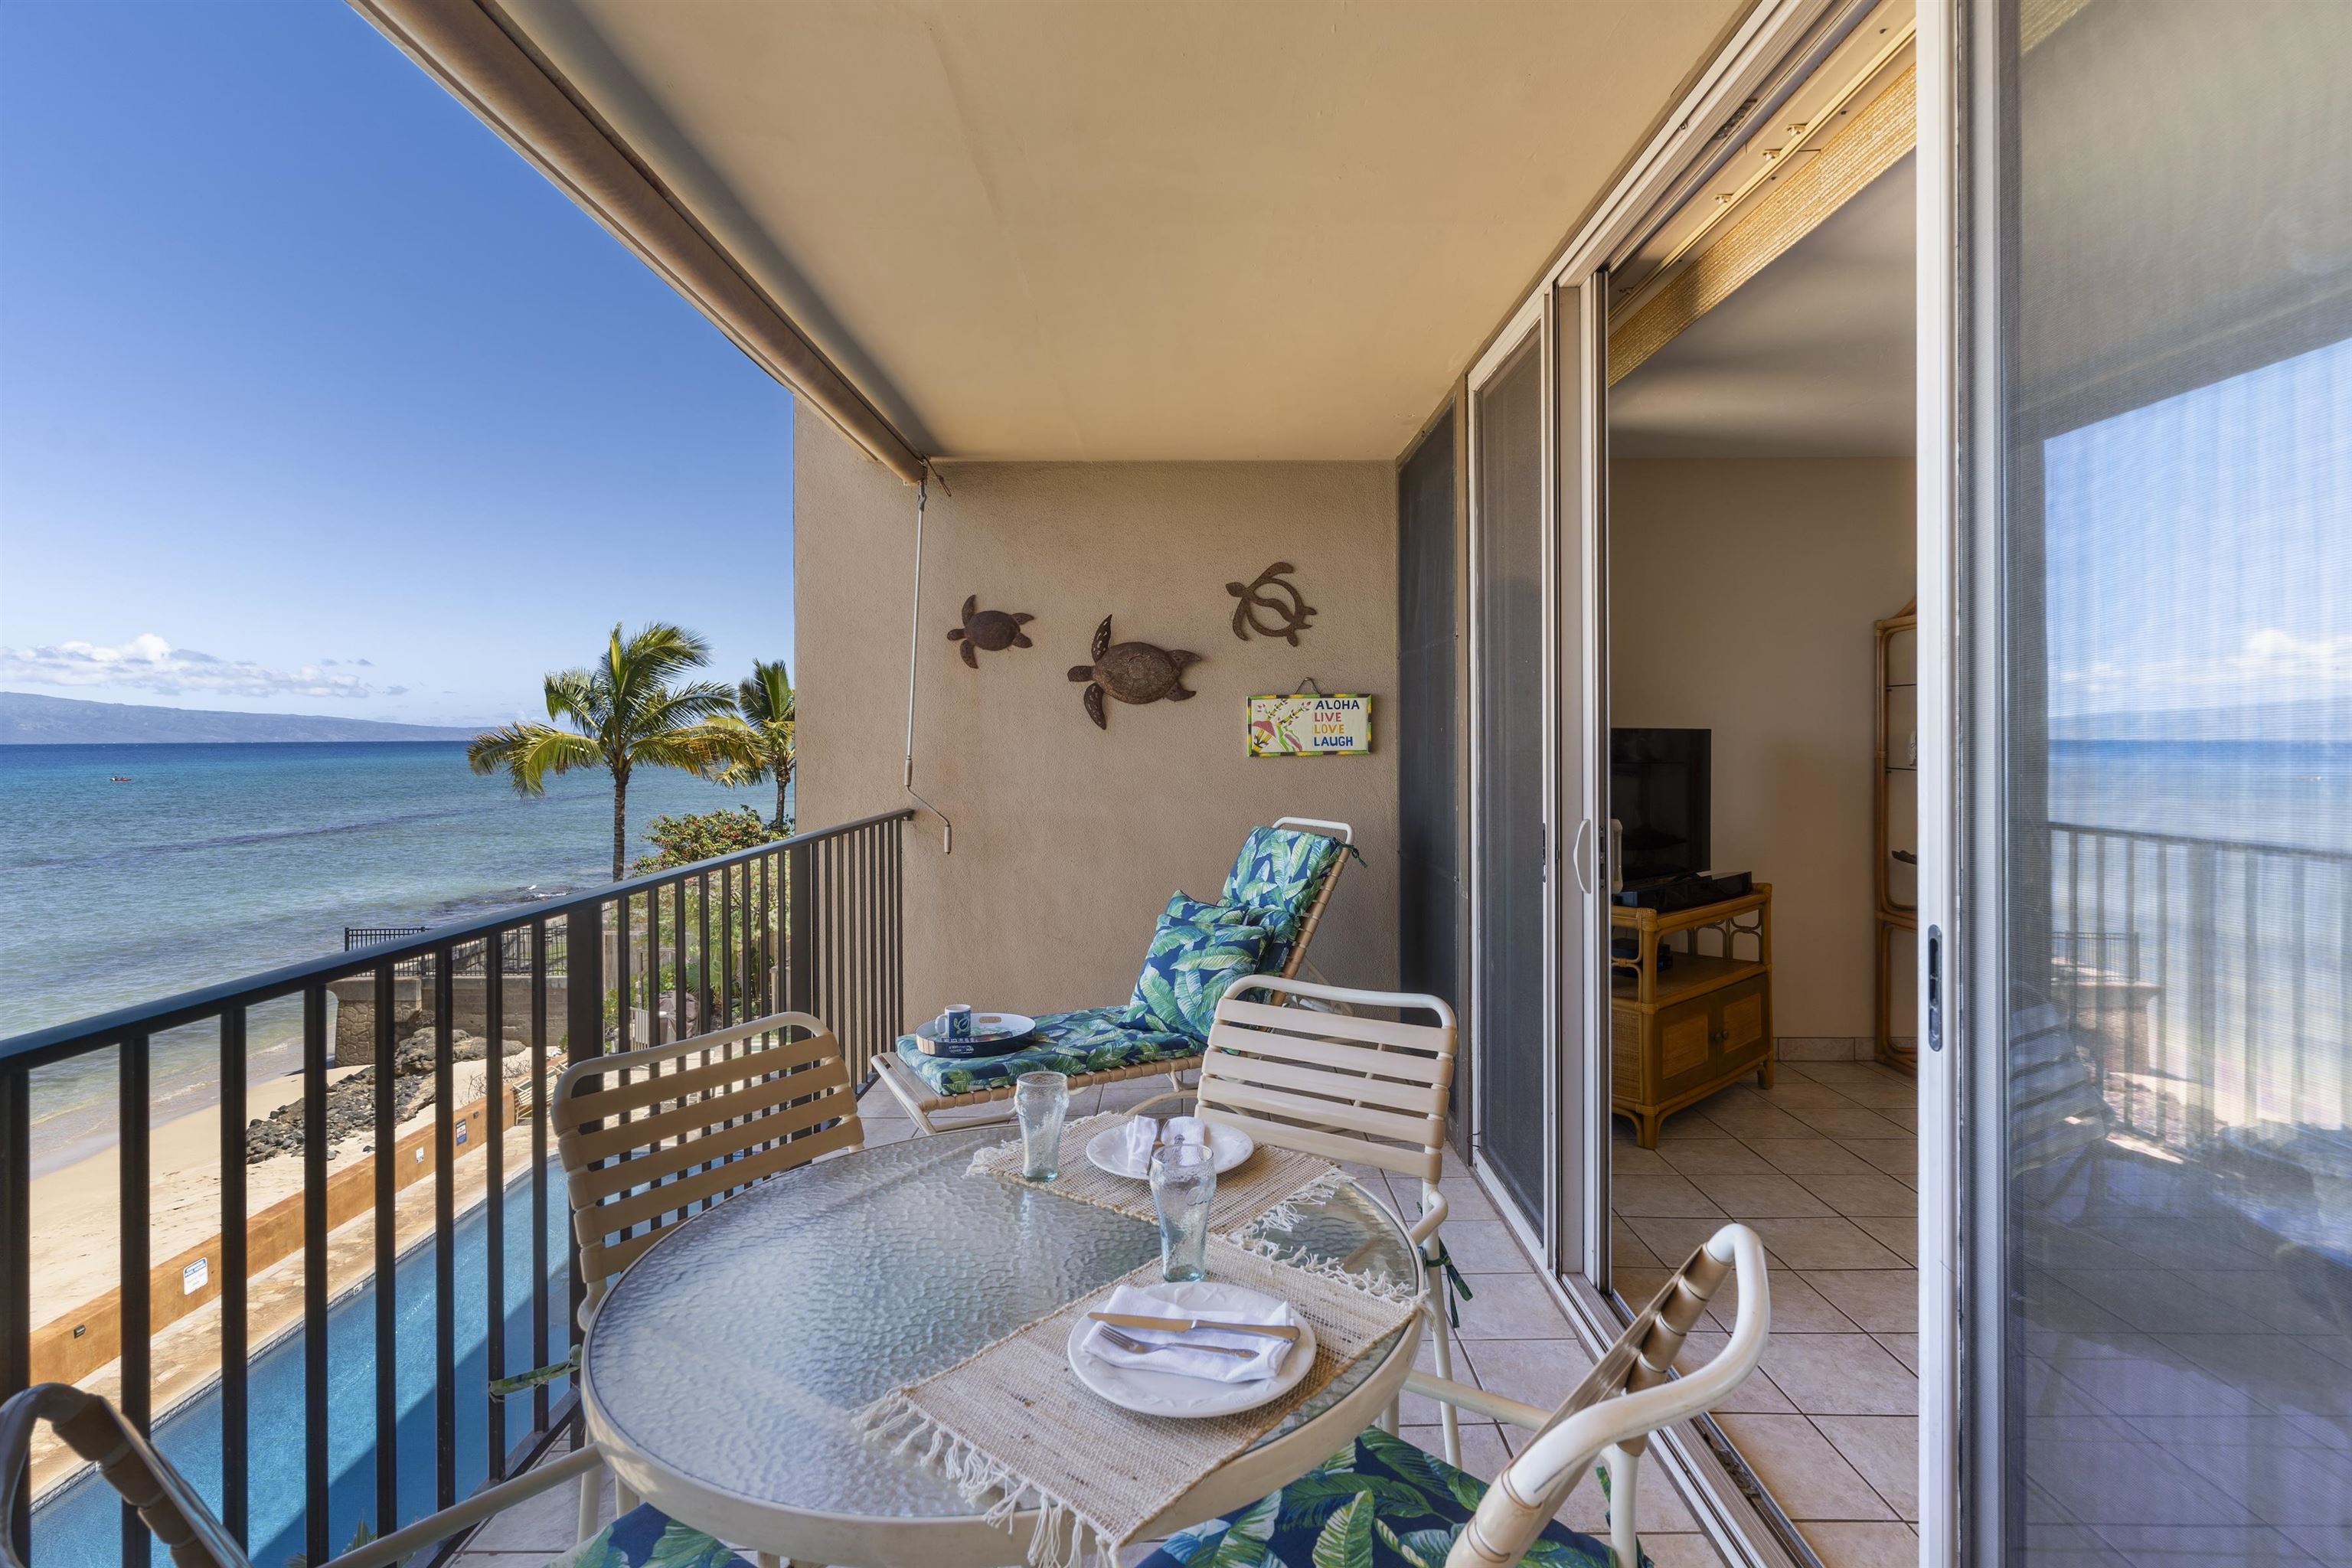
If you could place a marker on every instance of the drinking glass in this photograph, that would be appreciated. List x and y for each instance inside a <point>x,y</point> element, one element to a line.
<point>1040,1099</point>
<point>1183,1184</point>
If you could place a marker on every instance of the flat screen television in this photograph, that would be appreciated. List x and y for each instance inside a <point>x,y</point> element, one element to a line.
<point>1658,782</point>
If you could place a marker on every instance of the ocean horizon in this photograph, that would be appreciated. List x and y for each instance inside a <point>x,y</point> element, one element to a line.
<point>220,860</point>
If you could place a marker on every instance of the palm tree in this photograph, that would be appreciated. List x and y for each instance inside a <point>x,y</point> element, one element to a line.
<point>758,745</point>
<point>628,711</point>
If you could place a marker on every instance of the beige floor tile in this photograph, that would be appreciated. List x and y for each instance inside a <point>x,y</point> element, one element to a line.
<point>1807,1477</point>
<point>1761,1194</point>
<point>1898,1235</point>
<point>1671,1240</point>
<point>1858,1545</point>
<point>1418,1410</point>
<point>1690,1126</point>
<point>1541,1371</point>
<point>1628,1250</point>
<point>1484,1453</point>
<point>1627,1158</point>
<point>1680,1551</point>
<point>1712,1157</point>
<point>1810,1244</point>
<point>1789,1092</point>
<point>1465,1199</point>
<point>1754,1117</point>
<point>1894,1095</point>
<point>1885,1449</point>
<point>1870,1195</point>
<point>1483,1247</point>
<point>544,1524</point>
<point>1841,1374</point>
<point>1903,1348</point>
<point>1809,1157</point>
<point>1881,1301</point>
<point>1849,1121</point>
<point>1797,1308</point>
<point>1756,1395</point>
<point>1906,1117</point>
<point>1655,1506</point>
<point>1660,1197</point>
<point>1511,1307</point>
<point>1898,1157</point>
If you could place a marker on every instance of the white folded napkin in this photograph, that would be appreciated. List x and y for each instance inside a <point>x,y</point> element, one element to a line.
<point>1266,1353</point>
<point>1142,1134</point>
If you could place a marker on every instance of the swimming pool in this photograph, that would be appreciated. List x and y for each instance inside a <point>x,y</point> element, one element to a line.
<point>78,1525</point>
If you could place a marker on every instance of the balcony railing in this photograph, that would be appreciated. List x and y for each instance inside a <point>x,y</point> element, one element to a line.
<point>812,922</point>
<point>2212,975</point>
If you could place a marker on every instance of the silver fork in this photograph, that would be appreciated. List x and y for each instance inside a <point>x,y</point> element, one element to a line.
<point>1129,1342</point>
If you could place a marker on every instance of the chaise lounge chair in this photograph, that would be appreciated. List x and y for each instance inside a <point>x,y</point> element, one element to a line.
<point>1282,880</point>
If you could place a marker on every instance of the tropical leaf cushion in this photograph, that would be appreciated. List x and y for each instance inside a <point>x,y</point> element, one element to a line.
<point>1093,1040</point>
<point>1278,873</point>
<point>1187,968</point>
<point>1380,1503</point>
<point>644,1537</point>
<point>1183,906</point>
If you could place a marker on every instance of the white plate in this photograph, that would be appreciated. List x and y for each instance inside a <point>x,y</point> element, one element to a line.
<point>1228,1147</point>
<point>1189,1398</point>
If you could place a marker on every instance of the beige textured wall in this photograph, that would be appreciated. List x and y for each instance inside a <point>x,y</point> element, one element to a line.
<point>1742,597</point>
<point>1068,840</point>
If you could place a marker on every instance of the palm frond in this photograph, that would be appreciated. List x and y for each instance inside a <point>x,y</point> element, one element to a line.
<point>767,696</point>
<point>528,754</point>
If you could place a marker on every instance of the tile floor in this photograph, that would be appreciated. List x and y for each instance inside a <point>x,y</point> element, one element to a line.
<point>1513,1340</point>
<point>1823,1167</point>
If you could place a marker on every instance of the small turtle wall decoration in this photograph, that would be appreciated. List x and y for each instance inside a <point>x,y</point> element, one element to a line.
<point>1276,597</point>
<point>1135,672</point>
<point>993,630</point>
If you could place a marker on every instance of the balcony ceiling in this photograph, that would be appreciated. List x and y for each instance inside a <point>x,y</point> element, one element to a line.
<point>1036,229</point>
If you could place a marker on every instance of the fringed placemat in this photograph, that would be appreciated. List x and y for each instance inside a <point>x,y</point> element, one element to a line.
<point>1269,1179</point>
<point>1011,1425</point>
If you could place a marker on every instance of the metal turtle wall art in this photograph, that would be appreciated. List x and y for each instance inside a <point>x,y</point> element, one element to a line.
<point>1274,596</point>
<point>1133,672</point>
<point>992,630</point>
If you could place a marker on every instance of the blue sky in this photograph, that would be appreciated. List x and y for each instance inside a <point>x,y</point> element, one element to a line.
<point>2197,551</point>
<point>315,398</point>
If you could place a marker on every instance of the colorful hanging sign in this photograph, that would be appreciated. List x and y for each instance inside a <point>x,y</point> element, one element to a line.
<point>1311,724</point>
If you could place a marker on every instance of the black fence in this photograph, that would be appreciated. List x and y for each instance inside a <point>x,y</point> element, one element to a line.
<point>812,923</point>
<point>2213,978</point>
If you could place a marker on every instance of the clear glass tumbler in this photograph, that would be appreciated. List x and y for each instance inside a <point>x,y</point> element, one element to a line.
<point>1041,1100</point>
<point>1183,1184</point>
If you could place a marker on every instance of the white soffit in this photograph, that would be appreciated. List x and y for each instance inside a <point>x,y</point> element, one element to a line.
<point>1812,357</point>
<point>1155,229</point>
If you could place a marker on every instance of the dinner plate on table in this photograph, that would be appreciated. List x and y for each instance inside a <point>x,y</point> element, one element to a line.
<point>1228,1147</point>
<point>1191,1398</point>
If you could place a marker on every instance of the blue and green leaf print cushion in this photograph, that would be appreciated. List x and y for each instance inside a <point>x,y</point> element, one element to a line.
<point>1092,1039</point>
<point>645,1537</point>
<point>1186,969</point>
<point>1183,906</point>
<point>1380,1503</point>
<point>1277,874</point>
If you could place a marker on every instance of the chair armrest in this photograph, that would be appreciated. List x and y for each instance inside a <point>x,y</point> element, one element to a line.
<point>1433,1215</point>
<point>385,1549</point>
<point>1477,1401</point>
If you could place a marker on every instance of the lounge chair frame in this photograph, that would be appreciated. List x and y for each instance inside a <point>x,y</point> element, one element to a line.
<point>923,1107</point>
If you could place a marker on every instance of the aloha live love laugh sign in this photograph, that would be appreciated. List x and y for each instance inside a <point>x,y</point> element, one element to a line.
<point>1311,724</point>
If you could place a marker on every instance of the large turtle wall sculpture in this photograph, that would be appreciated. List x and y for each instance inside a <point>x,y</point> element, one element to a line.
<point>993,630</point>
<point>1136,672</point>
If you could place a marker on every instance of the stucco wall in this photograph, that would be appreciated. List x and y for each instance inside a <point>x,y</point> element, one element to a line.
<point>1068,840</point>
<point>1742,597</point>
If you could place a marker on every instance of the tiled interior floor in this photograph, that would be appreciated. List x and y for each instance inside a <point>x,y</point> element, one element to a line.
<point>1823,1167</point>
<point>1513,1340</point>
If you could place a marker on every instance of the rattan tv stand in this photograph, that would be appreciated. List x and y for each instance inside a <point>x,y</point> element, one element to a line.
<point>1678,1036</point>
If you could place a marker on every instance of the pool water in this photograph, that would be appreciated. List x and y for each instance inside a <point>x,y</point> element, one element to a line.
<point>78,1525</point>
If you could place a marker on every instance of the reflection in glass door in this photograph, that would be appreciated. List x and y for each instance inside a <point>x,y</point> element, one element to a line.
<point>2160,962</point>
<point>1510,1033</point>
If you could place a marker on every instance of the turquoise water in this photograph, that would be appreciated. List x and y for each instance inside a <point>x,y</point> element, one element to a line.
<point>216,862</point>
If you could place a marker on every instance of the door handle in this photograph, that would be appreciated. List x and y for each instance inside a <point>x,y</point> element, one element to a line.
<point>1576,854</point>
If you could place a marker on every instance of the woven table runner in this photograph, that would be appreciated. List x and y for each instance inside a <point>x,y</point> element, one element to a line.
<point>1011,1420</point>
<point>1271,1178</point>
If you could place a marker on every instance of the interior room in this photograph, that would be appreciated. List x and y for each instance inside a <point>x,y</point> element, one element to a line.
<point>1760,542</point>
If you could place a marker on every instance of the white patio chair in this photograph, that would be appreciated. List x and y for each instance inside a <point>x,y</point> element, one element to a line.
<point>1319,1076</point>
<point>1607,1419</point>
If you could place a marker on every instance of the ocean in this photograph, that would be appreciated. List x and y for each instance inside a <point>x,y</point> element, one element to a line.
<point>218,861</point>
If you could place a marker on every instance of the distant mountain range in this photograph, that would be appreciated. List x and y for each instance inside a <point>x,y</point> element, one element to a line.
<point>29,721</point>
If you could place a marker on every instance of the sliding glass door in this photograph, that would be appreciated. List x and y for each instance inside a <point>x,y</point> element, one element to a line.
<point>2158,952</point>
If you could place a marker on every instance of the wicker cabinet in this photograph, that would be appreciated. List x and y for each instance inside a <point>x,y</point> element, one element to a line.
<point>1679,1035</point>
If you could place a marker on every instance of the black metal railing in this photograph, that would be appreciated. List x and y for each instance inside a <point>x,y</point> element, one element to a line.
<point>2213,977</point>
<point>811,922</point>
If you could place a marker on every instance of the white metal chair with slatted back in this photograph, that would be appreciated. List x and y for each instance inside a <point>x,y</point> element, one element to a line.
<point>650,1138</point>
<point>1363,1090</point>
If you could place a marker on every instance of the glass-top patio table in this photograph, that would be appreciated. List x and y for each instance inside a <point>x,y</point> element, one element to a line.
<point>724,1373</point>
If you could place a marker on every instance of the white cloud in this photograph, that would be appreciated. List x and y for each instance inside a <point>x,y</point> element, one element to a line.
<point>148,663</point>
<point>2270,666</point>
